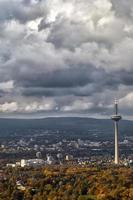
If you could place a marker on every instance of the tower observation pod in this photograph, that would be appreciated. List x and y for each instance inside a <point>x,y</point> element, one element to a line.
<point>116,118</point>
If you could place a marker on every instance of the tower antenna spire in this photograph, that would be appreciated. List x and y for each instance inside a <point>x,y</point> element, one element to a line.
<point>116,106</point>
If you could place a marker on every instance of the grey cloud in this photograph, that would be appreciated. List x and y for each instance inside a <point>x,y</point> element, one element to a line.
<point>71,34</point>
<point>123,8</point>
<point>43,25</point>
<point>29,2</point>
<point>76,51</point>
<point>68,34</point>
<point>20,11</point>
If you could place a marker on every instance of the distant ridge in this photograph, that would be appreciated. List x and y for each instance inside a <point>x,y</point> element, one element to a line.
<point>78,124</point>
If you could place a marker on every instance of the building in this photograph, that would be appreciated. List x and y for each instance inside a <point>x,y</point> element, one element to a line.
<point>32,162</point>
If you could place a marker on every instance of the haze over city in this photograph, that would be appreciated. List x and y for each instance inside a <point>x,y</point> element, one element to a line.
<point>65,58</point>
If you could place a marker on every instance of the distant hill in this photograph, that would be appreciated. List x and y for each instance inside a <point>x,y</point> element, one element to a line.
<point>70,124</point>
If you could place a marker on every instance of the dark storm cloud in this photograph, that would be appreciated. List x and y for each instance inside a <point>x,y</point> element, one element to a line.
<point>83,81</point>
<point>126,77</point>
<point>54,92</point>
<point>65,78</point>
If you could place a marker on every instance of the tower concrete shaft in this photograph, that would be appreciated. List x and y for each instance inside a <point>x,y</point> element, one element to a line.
<point>116,119</point>
<point>116,144</point>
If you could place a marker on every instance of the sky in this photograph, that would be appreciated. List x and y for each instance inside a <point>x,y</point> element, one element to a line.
<point>66,57</point>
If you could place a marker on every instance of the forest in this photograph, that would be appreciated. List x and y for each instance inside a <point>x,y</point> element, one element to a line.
<point>67,183</point>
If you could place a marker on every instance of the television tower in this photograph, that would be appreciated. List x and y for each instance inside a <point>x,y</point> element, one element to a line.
<point>116,118</point>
